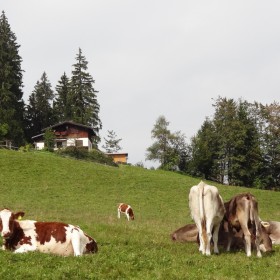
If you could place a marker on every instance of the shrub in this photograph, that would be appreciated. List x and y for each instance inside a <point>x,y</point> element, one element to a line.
<point>83,153</point>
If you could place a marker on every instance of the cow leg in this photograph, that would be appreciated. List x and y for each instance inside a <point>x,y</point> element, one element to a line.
<point>119,214</point>
<point>229,239</point>
<point>25,248</point>
<point>127,216</point>
<point>247,237</point>
<point>209,237</point>
<point>257,242</point>
<point>215,238</point>
<point>201,241</point>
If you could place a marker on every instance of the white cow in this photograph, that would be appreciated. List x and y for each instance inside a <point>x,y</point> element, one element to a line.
<point>207,211</point>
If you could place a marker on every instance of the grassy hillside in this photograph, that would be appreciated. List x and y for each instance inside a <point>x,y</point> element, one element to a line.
<point>50,188</point>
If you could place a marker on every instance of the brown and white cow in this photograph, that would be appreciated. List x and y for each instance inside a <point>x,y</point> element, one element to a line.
<point>207,211</point>
<point>242,214</point>
<point>47,237</point>
<point>127,210</point>
<point>272,228</point>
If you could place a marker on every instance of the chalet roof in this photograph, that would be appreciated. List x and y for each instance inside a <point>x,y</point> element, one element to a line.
<point>71,123</point>
<point>89,128</point>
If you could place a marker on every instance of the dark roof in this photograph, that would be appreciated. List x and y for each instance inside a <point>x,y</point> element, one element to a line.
<point>73,123</point>
<point>91,129</point>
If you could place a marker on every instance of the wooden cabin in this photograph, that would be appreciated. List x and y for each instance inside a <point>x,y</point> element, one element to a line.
<point>67,134</point>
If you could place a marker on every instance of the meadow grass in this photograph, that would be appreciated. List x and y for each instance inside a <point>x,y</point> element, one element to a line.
<point>50,188</point>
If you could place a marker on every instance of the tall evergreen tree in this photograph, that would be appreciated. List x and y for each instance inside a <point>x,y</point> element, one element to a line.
<point>39,110</point>
<point>11,103</point>
<point>85,108</point>
<point>62,102</point>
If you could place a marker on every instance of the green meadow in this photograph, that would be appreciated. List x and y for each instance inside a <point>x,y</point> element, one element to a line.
<point>51,188</point>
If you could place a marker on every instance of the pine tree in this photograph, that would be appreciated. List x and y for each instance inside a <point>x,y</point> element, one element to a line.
<point>11,103</point>
<point>39,113</point>
<point>62,102</point>
<point>112,142</point>
<point>85,108</point>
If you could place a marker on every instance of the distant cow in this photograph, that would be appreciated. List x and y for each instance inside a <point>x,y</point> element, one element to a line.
<point>207,211</point>
<point>46,237</point>
<point>242,213</point>
<point>187,233</point>
<point>272,228</point>
<point>127,210</point>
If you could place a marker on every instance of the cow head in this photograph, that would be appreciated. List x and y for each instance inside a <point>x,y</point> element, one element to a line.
<point>7,222</point>
<point>131,214</point>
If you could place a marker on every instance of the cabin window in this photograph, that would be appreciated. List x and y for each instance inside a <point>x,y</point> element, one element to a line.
<point>59,145</point>
<point>79,143</point>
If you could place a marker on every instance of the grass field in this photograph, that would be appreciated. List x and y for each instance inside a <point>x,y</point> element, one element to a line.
<point>50,188</point>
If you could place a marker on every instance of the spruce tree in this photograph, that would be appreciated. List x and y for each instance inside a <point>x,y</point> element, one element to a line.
<point>39,110</point>
<point>11,103</point>
<point>62,102</point>
<point>85,108</point>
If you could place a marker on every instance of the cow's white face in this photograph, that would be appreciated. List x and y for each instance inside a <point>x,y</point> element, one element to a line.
<point>5,222</point>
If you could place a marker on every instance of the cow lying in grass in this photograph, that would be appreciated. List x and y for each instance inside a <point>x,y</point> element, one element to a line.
<point>127,210</point>
<point>189,233</point>
<point>46,237</point>
<point>272,228</point>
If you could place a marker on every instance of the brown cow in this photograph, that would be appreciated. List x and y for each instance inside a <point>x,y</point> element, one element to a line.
<point>272,228</point>
<point>187,233</point>
<point>242,213</point>
<point>46,237</point>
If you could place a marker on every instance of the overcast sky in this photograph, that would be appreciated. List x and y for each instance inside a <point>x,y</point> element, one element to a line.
<point>153,57</point>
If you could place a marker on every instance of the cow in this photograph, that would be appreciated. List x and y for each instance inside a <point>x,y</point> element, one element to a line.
<point>127,210</point>
<point>242,213</point>
<point>207,211</point>
<point>272,228</point>
<point>58,238</point>
<point>187,233</point>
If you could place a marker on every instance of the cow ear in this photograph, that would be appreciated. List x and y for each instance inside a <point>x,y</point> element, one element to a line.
<point>265,224</point>
<point>19,215</point>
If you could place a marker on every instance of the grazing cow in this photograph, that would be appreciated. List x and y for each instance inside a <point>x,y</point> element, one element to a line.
<point>207,211</point>
<point>187,233</point>
<point>127,210</point>
<point>46,237</point>
<point>272,228</point>
<point>242,213</point>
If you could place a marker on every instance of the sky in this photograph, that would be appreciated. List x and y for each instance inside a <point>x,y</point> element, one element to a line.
<point>153,58</point>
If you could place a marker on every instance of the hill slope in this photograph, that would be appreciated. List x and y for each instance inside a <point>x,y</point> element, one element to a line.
<point>48,187</point>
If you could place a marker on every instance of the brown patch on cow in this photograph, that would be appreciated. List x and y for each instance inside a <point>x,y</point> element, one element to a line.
<point>25,240</point>
<point>123,207</point>
<point>46,230</point>
<point>15,238</point>
<point>130,213</point>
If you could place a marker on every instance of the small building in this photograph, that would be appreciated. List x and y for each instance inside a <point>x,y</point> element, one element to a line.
<point>119,157</point>
<point>67,134</point>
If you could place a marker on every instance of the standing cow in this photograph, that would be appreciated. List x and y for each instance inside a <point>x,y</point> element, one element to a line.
<point>207,211</point>
<point>47,237</point>
<point>242,214</point>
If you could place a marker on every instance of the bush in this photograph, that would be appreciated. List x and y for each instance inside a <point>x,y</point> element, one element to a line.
<point>83,153</point>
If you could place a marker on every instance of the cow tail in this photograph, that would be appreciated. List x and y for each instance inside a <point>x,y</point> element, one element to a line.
<point>202,213</point>
<point>254,215</point>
